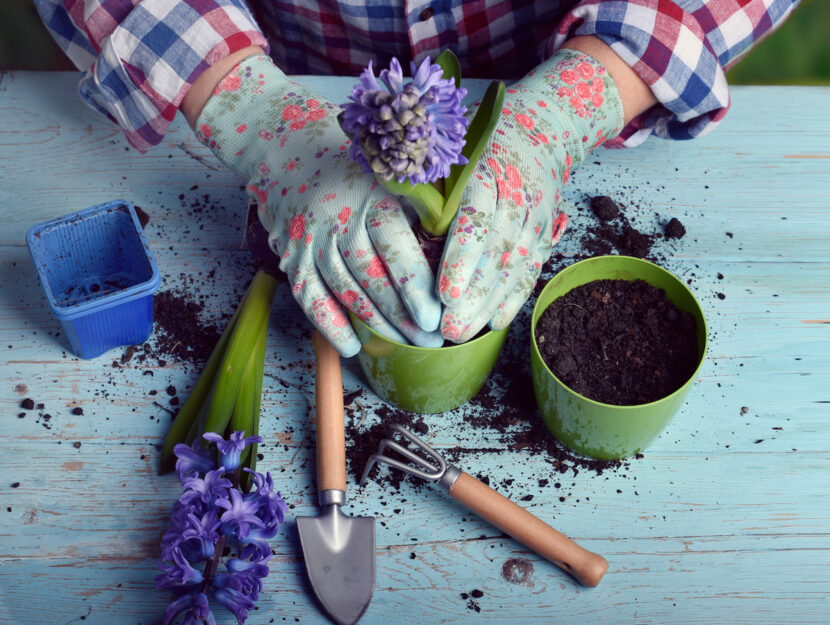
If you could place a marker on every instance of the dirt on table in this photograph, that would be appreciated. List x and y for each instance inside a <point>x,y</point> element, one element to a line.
<point>505,408</point>
<point>618,342</point>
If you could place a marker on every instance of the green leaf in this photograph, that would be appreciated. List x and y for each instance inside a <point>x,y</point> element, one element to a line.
<point>243,341</point>
<point>478,134</point>
<point>427,201</point>
<point>259,369</point>
<point>448,62</point>
<point>242,418</point>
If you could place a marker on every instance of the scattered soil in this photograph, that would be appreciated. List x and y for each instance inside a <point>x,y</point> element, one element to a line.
<point>604,207</point>
<point>366,442</point>
<point>28,404</point>
<point>615,234</point>
<point>506,404</point>
<point>143,218</point>
<point>618,342</point>
<point>674,229</point>
<point>180,333</point>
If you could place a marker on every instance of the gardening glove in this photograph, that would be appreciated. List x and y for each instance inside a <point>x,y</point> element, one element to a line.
<point>343,242</point>
<point>511,212</point>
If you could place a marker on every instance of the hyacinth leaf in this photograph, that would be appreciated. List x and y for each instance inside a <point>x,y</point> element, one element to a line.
<point>227,383</point>
<point>427,200</point>
<point>242,414</point>
<point>448,62</point>
<point>246,405</point>
<point>259,369</point>
<point>477,136</point>
<point>189,413</point>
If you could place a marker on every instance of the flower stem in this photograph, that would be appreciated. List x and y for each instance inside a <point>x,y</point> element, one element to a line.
<point>213,564</point>
<point>219,548</point>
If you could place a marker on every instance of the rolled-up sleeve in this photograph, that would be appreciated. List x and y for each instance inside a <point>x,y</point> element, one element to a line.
<point>139,58</point>
<point>680,49</point>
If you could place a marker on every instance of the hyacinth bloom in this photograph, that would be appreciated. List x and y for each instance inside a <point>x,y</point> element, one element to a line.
<point>413,131</point>
<point>415,138</point>
<point>213,514</point>
<point>231,449</point>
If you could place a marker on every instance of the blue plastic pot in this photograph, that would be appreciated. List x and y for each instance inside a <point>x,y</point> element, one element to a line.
<point>98,275</point>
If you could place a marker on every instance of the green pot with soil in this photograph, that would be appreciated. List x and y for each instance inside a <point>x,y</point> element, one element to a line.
<point>616,343</point>
<point>426,380</point>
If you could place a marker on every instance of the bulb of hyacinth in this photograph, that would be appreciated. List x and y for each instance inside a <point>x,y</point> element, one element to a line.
<point>406,131</point>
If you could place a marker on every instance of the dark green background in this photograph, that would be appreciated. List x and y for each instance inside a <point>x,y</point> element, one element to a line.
<point>798,53</point>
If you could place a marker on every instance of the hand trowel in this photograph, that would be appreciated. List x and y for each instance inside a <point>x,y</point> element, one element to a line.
<point>339,550</point>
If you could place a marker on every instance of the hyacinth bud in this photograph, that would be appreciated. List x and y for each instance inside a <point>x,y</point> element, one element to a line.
<point>413,131</point>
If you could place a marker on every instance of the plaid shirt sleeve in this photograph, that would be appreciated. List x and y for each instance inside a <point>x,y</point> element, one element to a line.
<point>140,57</point>
<point>681,49</point>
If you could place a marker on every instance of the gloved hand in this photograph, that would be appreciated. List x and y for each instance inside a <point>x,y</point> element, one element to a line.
<point>342,240</point>
<point>511,213</point>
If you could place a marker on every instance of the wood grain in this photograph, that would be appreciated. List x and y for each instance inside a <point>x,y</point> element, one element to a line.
<point>726,518</point>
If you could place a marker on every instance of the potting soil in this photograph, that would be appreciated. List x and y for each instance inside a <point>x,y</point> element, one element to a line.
<point>618,342</point>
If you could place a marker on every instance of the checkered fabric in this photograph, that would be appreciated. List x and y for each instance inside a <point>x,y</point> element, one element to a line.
<point>140,57</point>
<point>680,49</point>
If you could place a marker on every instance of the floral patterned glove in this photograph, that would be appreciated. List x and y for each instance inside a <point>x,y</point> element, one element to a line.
<point>343,242</point>
<point>511,213</point>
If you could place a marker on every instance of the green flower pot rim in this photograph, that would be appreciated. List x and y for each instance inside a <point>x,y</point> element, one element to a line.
<point>631,407</point>
<point>416,348</point>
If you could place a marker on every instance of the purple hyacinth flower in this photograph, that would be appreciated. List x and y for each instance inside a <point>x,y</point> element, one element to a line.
<point>249,575</point>
<point>205,489</point>
<point>178,573</point>
<point>231,449</point>
<point>201,533</point>
<point>195,605</point>
<point>192,460</point>
<point>229,594</point>
<point>256,543</point>
<point>240,514</point>
<point>406,131</point>
<point>270,506</point>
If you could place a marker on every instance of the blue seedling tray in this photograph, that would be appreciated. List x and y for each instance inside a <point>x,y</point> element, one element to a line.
<point>99,276</point>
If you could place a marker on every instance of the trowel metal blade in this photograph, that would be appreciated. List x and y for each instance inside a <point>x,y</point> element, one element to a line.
<point>339,553</point>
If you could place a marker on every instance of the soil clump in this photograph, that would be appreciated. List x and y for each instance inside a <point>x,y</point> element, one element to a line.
<point>618,342</point>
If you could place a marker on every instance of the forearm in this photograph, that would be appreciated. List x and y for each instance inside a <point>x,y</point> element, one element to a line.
<point>635,95</point>
<point>195,99</point>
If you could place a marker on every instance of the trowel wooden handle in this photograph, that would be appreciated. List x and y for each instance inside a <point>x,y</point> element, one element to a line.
<point>331,435</point>
<point>529,530</point>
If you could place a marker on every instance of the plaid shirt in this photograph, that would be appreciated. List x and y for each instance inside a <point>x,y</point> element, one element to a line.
<point>139,57</point>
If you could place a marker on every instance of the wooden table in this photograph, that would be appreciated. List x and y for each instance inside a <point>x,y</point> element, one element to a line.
<point>726,518</point>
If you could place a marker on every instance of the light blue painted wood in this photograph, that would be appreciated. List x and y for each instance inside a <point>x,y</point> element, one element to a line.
<point>709,527</point>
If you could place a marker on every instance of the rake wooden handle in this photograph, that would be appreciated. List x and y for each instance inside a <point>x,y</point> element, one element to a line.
<point>331,435</point>
<point>511,518</point>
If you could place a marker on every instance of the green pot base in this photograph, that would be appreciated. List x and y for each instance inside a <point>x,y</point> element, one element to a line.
<point>426,380</point>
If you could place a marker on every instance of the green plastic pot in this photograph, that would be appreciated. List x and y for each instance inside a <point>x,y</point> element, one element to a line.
<point>590,427</point>
<point>426,380</point>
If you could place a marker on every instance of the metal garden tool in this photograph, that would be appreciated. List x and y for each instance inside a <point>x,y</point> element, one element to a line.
<point>585,566</point>
<point>339,550</point>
